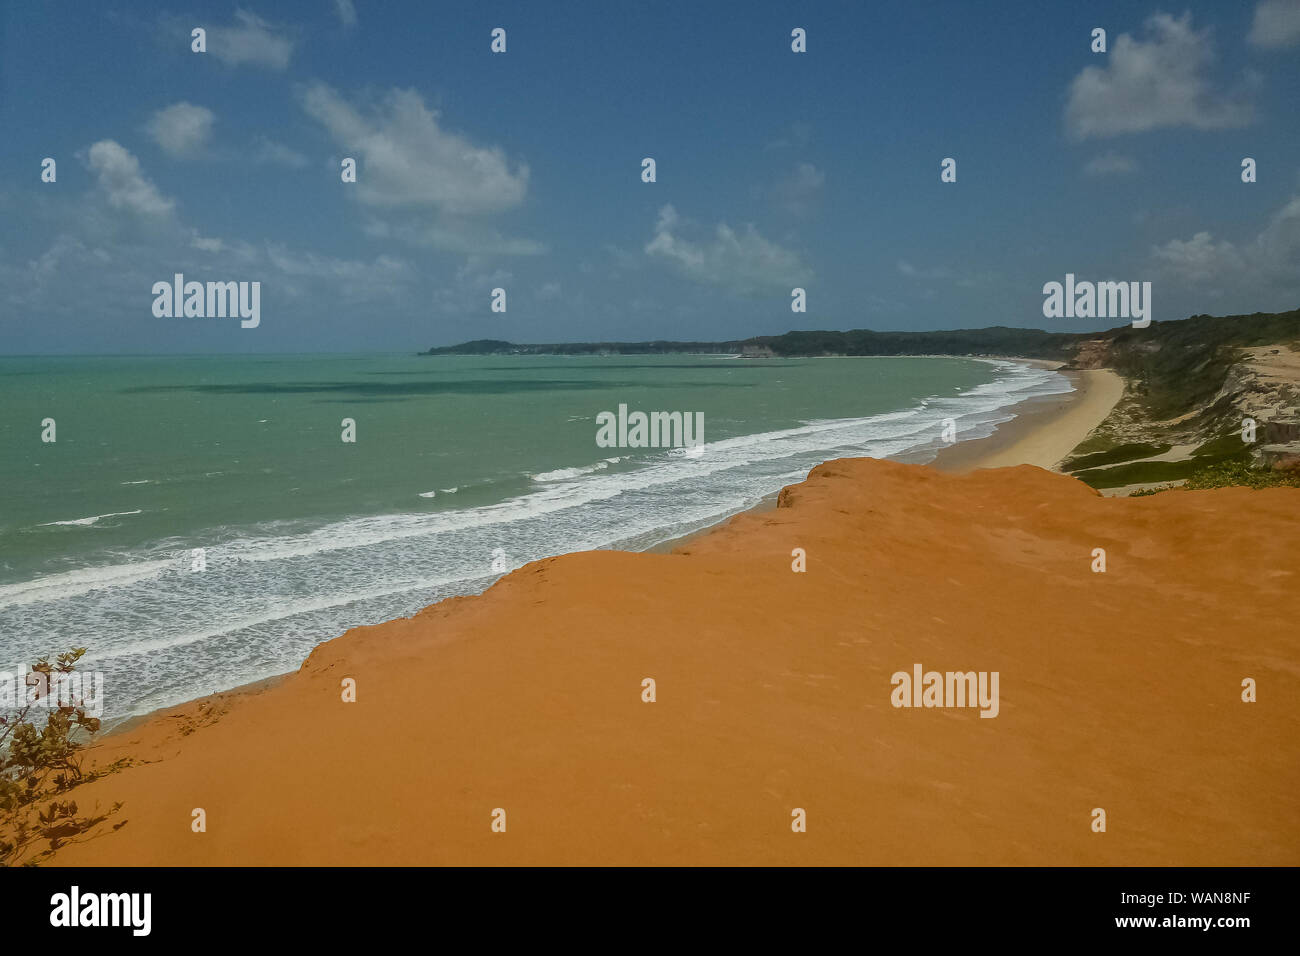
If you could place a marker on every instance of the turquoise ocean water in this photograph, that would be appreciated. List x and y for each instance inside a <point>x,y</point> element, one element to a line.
<point>459,464</point>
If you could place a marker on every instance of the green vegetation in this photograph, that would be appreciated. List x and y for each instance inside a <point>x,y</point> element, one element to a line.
<point>1233,473</point>
<point>1230,474</point>
<point>997,340</point>
<point>1227,453</point>
<point>1097,441</point>
<point>36,766</point>
<point>1223,446</point>
<point>1140,472</point>
<point>1118,453</point>
<point>1178,365</point>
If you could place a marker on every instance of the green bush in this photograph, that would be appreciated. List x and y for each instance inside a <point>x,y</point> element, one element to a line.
<point>1235,473</point>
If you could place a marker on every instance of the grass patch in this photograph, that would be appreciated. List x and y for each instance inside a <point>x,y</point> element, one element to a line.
<point>1095,443</point>
<point>1140,472</point>
<point>1149,472</point>
<point>1119,453</point>
<point>1223,446</point>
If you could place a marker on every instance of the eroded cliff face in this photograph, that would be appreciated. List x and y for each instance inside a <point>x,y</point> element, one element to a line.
<point>1093,353</point>
<point>1265,383</point>
<point>1261,383</point>
<point>1265,386</point>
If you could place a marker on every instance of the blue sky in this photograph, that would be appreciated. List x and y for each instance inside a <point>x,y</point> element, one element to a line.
<point>522,170</point>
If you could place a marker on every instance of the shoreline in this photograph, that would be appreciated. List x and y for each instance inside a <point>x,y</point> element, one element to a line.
<point>1015,442</point>
<point>1045,430</point>
<point>1040,428</point>
<point>1010,441</point>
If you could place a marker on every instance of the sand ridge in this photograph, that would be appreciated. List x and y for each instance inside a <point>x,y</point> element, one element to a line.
<point>1118,690</point>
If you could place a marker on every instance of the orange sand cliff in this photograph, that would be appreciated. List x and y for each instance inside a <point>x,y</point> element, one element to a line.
<point>1118,690</point>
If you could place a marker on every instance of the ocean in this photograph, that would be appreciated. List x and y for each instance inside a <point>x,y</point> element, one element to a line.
<point>461,468</point>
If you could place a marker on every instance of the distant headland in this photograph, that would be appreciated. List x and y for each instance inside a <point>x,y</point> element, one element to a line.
<point>1079,349</point>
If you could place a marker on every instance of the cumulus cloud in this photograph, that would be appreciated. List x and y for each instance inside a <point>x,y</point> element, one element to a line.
<point>103,248</point>
<point>1200,258</point>
<point>1109,164</point>
<point>1271,259</point>
<point>1276,24</point>
<point>742,262</point>
<point>250,40</point>
<point>123,184</point>
<point>182,129</point>
<point>409,163</point>
<point>407,158</point>
<point>1151,84</point>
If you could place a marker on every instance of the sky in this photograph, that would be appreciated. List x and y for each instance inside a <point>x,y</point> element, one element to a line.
<point>523,171</point>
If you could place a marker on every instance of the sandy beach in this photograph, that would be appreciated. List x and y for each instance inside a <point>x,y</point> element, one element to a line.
<point>772,694</point>
<point>1045,430</point>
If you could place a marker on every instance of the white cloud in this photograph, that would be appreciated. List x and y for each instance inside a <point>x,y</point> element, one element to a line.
<point>1199,259</point>
<point>268,151</point>
<point>407,158</point>
<point>124,185</point>
<point>798,193</point>
<point>452,234</point>
<point>65,247</point>
<point>1110,164</point>
<point>250,40</point>
<point>1276,24</point>
<point>742,262</point>
<point>347,12</point>
<point>408,163</point>
<point>309,264</point>
<point>1271,259</point>
<point>182,128</point>
<point>1153,84</point>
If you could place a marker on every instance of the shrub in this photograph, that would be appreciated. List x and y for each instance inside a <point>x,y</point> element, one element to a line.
<point>1225,474</point>
<point>38,765</point>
